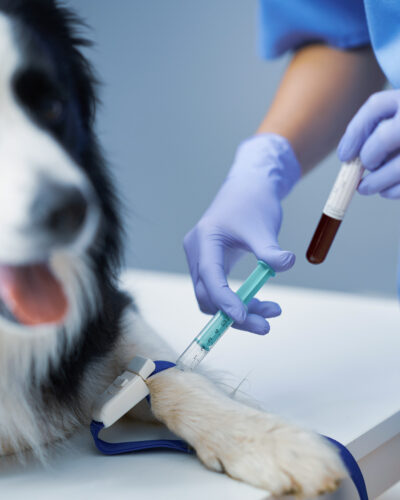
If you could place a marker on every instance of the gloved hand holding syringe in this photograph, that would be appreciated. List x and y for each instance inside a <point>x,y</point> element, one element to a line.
<point>216,327</point>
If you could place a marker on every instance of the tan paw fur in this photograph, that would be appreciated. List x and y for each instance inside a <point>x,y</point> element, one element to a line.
<point>247,444</point>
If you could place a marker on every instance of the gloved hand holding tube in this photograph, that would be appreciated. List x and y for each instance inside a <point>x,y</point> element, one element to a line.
<point>371,142</point>
<point>374,135</point>
<point>244,216</point>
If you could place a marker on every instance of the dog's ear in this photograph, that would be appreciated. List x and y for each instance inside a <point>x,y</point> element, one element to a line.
<point>64,30</point>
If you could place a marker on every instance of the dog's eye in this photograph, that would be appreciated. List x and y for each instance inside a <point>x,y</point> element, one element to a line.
<point>41,95</point>
<point>51,111</point>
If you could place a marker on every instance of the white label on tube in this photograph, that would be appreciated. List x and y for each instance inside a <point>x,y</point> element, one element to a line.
<point>345,186</point>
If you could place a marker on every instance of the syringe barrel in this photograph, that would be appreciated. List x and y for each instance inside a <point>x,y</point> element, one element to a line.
<point>205,340</point>
<point>191,356</point>
<point>219,323</point>
<point>334,211</point>
<point>213,330</point>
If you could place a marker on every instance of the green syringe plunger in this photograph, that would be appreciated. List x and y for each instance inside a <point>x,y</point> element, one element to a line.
<point>218,325</point>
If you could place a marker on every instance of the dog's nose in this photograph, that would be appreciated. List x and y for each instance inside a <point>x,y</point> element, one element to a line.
<point>60,210</point>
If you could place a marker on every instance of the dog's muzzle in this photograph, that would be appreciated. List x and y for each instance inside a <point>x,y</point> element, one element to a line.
<point>63,217</point>
<point>59,212</point>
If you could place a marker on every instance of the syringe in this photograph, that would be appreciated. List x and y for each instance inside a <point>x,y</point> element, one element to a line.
<point>130,387</point>
<point>216,327</point>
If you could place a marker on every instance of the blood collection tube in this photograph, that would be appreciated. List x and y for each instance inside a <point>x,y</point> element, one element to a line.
<point>335,208</point>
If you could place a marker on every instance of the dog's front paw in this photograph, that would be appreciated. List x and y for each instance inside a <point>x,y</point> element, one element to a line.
<point>262,450</point>
<point>245,443</point>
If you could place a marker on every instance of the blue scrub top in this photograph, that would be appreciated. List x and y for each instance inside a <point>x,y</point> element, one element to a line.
<point>289,24</point>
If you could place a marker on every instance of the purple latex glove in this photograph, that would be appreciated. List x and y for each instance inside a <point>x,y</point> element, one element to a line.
<point>245,216</point>
<point>374,135</point>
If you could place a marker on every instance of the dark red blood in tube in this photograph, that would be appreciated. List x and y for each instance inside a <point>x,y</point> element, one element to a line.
<point>322,239</point>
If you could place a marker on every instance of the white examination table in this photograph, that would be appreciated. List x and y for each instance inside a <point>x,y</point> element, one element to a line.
<point>331,362</point>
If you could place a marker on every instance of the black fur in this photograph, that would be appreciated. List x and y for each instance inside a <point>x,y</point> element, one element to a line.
<point>57,88</point>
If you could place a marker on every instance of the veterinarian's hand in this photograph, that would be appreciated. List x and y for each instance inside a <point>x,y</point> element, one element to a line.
<point>374,135</point>
<point>245,216</point>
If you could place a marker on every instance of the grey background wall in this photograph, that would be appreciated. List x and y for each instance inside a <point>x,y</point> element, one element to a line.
<point>183,85</point>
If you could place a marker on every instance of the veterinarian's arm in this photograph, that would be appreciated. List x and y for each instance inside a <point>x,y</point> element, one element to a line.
<point>320,92</point>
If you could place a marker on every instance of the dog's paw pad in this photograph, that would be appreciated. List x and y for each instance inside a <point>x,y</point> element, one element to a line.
<point>274,456</point>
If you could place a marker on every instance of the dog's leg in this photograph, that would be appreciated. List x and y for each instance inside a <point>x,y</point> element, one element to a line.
<point>245,443</point>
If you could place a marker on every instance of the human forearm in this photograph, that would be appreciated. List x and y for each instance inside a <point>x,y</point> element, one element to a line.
<point>319,93</point>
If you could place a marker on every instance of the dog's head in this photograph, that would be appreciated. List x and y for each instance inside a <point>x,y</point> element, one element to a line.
<point>58,224</point>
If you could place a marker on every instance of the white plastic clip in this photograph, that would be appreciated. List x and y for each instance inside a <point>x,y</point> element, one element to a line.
<point>127,390</point>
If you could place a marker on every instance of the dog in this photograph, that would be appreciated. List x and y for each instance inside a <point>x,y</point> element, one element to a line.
<point>66,328</point>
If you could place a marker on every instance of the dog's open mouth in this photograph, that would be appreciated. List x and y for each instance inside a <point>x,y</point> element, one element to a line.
<point>31,294</point>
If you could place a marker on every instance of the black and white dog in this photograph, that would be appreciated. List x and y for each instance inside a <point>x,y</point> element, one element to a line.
<point>66,330</point>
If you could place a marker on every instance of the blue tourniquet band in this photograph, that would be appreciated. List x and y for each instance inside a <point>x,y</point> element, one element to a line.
<point>352,468</point>
<point>131,446</point>
<point>161,366</point>
<point>178,445</point>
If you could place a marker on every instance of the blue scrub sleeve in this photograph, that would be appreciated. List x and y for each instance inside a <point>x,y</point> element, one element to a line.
<point>289,24</point>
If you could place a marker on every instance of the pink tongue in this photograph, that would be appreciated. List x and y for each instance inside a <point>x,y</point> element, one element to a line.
<point>32,294</point>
